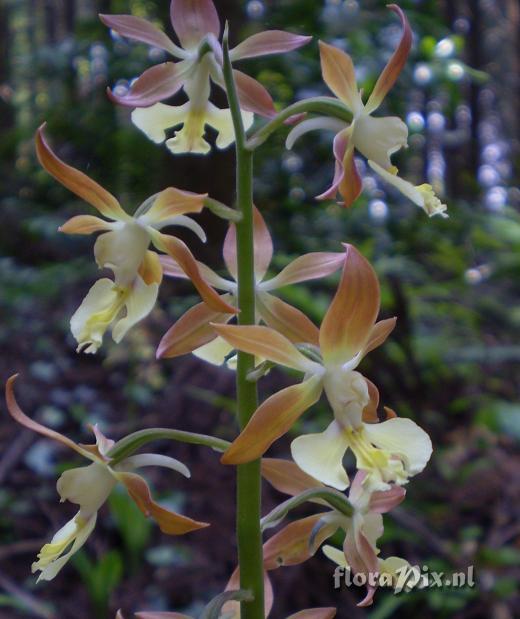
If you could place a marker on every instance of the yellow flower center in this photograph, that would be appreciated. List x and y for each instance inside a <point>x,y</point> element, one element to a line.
<point>381,465</point>
<point>98,322</point>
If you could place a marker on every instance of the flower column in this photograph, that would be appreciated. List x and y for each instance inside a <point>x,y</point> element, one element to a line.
<point>249,536</point>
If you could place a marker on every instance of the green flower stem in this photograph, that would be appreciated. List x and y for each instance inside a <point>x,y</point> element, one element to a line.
<point>131,443</point>
<point>249,535</point>
<point>222,211</point>
<point>331,497</point>
<point>325,106</point>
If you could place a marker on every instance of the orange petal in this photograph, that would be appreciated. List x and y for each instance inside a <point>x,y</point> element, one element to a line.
<point>184,258</point>
<point>390,413</point>
<point>287,477</point>
<point>315,613</point>
<point>85,224</point>
<point>77,182</point>
<point>338,72</point>
<point>253,96</point>
<point>291,545</point>
<point>173,202</point>
<point>273,419</point>
<point>169,522</point>
<point>151,269</point>
<point>191,331</point>
<point>286,319</point>
<point>380,331</point>
<point>18,415</point>
<point>370,410</point>
<point>353,311</point>
<point>394,66</point>
<point>304,268</point>
<point>351,185</point>
<point>266,343</point>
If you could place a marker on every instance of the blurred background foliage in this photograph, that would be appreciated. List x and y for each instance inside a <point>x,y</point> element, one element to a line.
<point>452,364</point>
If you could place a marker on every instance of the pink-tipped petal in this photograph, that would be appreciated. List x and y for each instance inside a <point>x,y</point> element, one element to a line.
<point>191,331</point>
<point>273,419</point>
<point>338,73</point>
<point>266,343</point>
<point>287,477</point>
<point>262,247</point>
<point>169,521</point>
<point>77,182</point>
<point>268,42</point>
<point>306,267</point>
<point>192,20</point>
<point>347,181</point>
<point>153,85</point>
<point>286,319</point>
<point>394,66</point>
<point>139,29</point>
<point>361,556</point>
<point>253,96</point>
<point>171,268</point>
<point>382,502</point>
<point>19,416</point>
<point>353,311</point>
<point>85,224</point>
<point>229,251</point>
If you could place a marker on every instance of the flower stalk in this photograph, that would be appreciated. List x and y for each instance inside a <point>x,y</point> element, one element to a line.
<point>327,106</point>
<point>249,535</point>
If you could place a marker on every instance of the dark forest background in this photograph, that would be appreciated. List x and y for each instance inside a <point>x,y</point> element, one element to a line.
<point>452,364</point>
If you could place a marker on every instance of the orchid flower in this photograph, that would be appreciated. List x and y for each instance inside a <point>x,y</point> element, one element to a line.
<point>197,26</point>
<point>90,486</point>
<point>377,139</point>
<point>390,451</point>
<point>123,248</point>
<point>299,540</point>
<point>193,331</point>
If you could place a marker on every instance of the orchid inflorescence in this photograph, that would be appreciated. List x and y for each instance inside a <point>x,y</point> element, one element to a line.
<point>387,450</point>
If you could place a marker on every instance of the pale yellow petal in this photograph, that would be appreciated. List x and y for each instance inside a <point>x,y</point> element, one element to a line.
<point>378,138</point>
<point>97,311</point>
<point>139,303</point>
<point>86,486</point>
<point>155,120</point>
<point>321,456</point>
<point>74,534</point>
<point>123,251</point>
<point>403,438</point>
